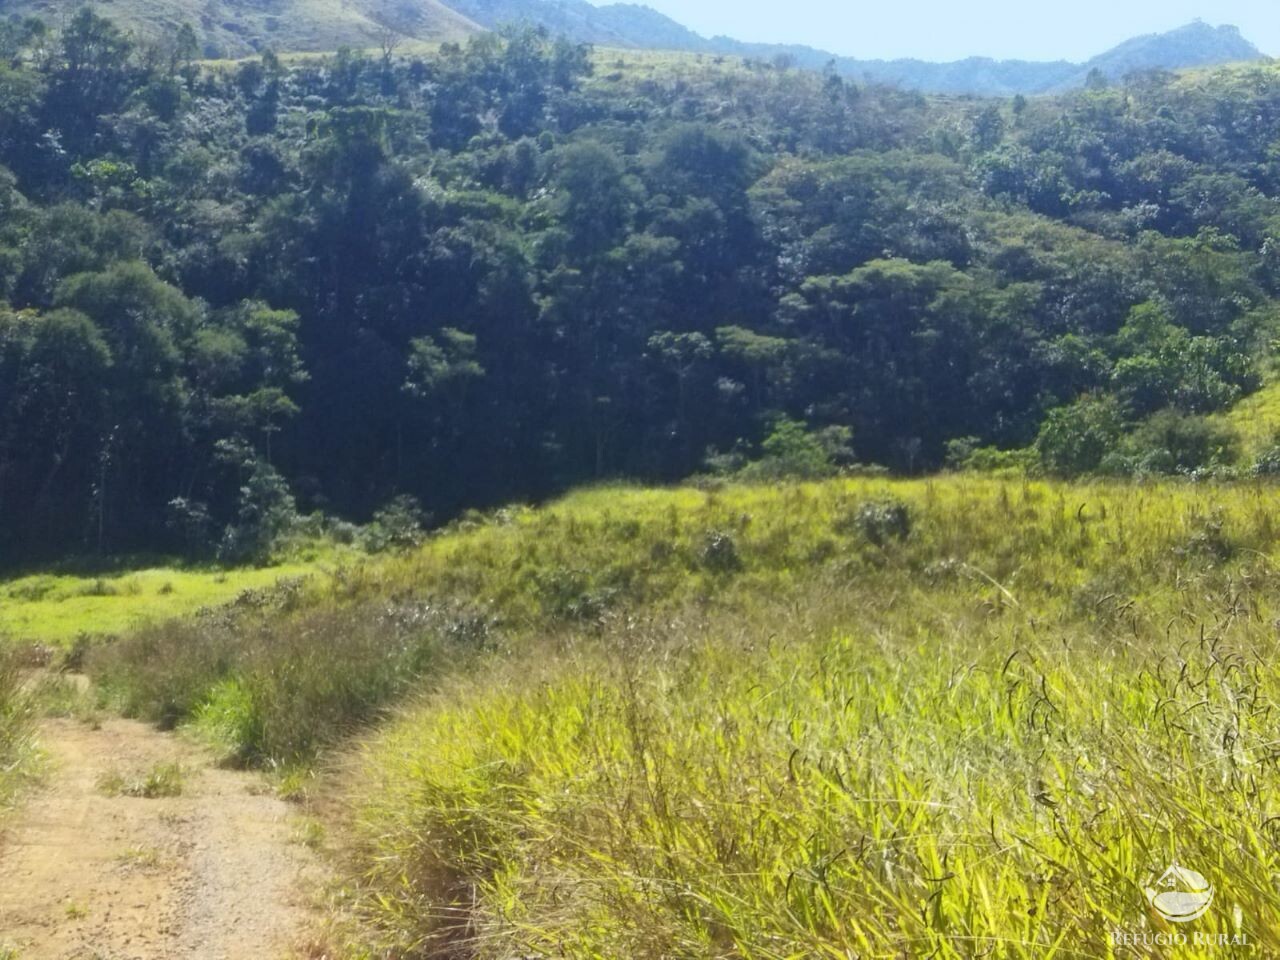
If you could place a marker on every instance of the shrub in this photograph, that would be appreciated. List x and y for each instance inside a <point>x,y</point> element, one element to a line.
<point>572,593</point>
<point>793,450</point>
<point>272,688</point>
<point>397,526</point>
<point>1172,442</point>
<point>1209,539</point>
<point>883,520</point>
<point>965,454</point>
<point>1267,463</point>
<point>1074,439</point>
<point>719,552</point>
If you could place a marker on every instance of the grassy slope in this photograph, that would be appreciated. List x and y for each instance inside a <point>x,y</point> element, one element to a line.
<point>1256,419</point>
<point>759,722</point>
<point>984,737</point>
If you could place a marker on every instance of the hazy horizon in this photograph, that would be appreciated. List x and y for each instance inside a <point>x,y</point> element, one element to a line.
<point>1003,29</point>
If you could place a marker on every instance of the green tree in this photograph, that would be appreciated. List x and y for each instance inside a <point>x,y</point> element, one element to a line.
<point>54,371</point>
<point>593,200</point>
<point>1075,438</point>
<point>88,77</point>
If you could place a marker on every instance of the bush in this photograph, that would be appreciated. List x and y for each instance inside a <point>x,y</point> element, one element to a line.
<point>720,553</point>
<point>1267,463</point>
<point>793,450</point>
<point>1209,540</point>
<point>1074,439</point>
<point>400,525</point>
<point>966,454</point>
<point>883,520</point>
<point>1172,442</point>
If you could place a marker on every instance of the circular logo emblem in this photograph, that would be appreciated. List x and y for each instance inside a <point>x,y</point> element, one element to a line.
<point>1180,895</point>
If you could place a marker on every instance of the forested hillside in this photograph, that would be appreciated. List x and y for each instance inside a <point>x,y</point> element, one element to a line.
<point>226,29</point>
<point>237,293</point>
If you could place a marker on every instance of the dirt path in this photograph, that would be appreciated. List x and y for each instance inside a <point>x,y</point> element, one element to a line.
<point>210,874</point>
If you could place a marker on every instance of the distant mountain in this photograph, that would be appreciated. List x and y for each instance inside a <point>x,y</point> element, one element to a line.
<point>631,25</point>
<point>238,28</point>
<point>656,30</point>
<point>576,19</point>
<point>1196,45</point>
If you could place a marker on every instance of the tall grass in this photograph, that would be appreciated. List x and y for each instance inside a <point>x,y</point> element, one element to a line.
<point>284,670</point>
<point>1256,420</point>
<point>272,685</point>
<point>957,793</point>
<point>980,739</point>
<point>17,750</point>
<point>949,718</point>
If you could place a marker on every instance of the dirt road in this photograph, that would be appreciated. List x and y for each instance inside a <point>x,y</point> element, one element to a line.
<point>211,874</point>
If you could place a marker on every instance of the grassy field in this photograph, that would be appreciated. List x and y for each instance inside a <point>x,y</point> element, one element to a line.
<point>56,609</point>
<point>954,717</point>
<point>982,737</point>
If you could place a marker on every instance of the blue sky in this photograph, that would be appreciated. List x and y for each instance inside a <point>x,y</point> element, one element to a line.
<point>943,30</point>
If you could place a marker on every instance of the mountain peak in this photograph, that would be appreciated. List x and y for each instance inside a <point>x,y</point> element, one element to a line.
<point>1204,28</point>
<point>1195,44</point>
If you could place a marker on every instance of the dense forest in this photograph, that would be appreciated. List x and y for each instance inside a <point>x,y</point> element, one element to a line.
<point>237,293</point>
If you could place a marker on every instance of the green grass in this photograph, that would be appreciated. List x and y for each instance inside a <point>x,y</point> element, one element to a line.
<point>75,911</point>
<point>274,679</point>
<point>948,718</point>
<point>18,755</point>
<point>55,610</point>
<point>980,739</point>
<point>161,780</point>
<point>1256,419</point>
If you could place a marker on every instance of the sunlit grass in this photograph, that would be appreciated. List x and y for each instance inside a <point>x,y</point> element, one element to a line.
<point>846,794</point>
<point>951,717</point>
<point>161,780</point>
<point>980,739</point>
<point>18,753</point>
<point>56,609</point>
<point>1256,419</point>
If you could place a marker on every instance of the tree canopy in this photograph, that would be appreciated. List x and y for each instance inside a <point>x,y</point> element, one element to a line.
<point>235,291</point>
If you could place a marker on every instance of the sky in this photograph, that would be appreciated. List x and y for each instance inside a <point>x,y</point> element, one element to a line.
<point>953,29</point>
